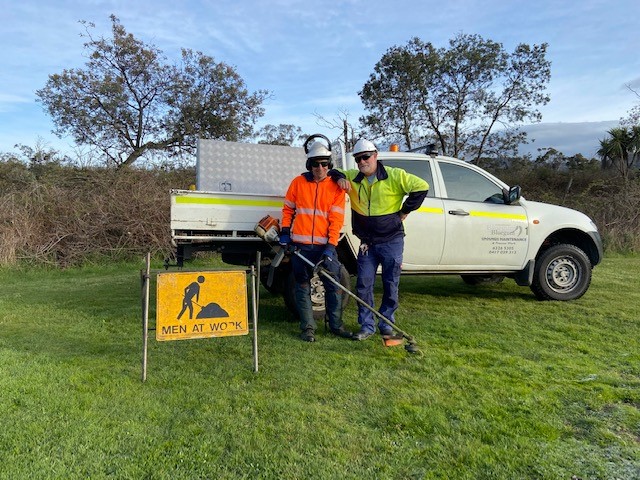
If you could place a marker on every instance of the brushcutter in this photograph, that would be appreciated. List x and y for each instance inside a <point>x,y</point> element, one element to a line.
<point>268,230</point>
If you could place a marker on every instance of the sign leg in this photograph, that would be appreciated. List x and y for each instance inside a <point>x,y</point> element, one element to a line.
<point>145,316</point>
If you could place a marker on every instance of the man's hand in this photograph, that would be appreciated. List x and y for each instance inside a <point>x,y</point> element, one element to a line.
<point>285,240</point>
<point>403,216</point>
<point>344,184</point>
<point>328,254</point>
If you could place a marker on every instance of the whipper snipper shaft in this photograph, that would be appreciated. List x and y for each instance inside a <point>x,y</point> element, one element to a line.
<point>410,346</point>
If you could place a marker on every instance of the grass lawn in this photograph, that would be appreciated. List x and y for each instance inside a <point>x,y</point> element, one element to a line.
<point>505,387</point>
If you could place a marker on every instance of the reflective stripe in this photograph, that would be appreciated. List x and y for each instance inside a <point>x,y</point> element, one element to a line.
<point>308,239</point>
<point>228,201</point>
<point>311,211</point>
<point>289,203</point>
<point>430,210</point>
<point>478,213</point>
<point>337,209</point>
<point>511,216</point>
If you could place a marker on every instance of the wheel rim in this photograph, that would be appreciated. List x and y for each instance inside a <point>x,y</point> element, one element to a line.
<point>317,293</point>
<point>563,274</point>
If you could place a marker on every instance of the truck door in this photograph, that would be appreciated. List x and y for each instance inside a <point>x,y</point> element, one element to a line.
<point>481,232</point>
<point>425,227</point>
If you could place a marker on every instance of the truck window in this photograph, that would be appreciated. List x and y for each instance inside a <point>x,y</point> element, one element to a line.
<point>417,168</point>
<point>462,183</point>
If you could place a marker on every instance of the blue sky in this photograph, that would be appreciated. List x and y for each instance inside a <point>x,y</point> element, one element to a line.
<point>315,56</point>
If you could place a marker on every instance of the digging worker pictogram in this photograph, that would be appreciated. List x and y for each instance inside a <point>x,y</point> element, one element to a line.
<point>192,290</point>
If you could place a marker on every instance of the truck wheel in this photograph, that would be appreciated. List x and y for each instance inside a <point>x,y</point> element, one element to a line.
<point>277,287</point>
<point>563,272</point>
<point>317,293</point>
<point>482,279</point>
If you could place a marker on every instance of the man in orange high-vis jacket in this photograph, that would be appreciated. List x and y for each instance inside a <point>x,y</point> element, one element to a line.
<point>312,216</point>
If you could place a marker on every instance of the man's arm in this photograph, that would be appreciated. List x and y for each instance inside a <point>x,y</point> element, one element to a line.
<point>336,217</point>
<point>289,207</point>
<point>340,178</point>
<point>416,189</point>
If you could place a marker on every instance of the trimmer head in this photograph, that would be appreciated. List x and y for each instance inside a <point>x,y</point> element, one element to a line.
<point>396,339</point>
<point>411,347</point>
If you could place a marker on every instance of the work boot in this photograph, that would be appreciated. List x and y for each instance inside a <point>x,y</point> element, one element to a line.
<point>308,335</point>
<point>387,333</point>
<point>341,332</point>
<point>362,335</point>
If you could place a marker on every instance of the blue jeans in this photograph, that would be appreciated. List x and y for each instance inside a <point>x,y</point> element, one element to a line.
<point>303,273</point>
<point>389,255</point>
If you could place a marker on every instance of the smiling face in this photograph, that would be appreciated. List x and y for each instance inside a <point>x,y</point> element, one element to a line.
<point>319,168</point>
<point>367,162</point>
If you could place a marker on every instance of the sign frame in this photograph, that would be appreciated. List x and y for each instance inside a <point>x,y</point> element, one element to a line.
<point>213,309</point>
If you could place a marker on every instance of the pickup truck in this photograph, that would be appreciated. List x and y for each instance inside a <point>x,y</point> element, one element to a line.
<point>470,224</point>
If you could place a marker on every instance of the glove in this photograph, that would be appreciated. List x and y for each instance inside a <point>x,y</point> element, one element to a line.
<point>328,255</point>
<point>285,236</point>
<point>285,240</point>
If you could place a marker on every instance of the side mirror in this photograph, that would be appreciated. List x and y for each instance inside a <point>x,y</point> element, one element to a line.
<point>512,195</point>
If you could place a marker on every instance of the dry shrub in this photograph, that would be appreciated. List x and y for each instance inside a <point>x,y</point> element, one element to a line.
<point>615,207</point>
<point>69,216</point>
<point>57,215</point>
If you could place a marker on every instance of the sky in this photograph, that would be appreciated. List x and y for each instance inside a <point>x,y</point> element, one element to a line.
<point>314,56</point>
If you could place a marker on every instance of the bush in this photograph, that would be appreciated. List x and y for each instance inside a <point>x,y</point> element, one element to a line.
<point>67,215</point>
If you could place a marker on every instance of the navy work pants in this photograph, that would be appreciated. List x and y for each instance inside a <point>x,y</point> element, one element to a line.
<point>389,256</point>
<point>303,273</point>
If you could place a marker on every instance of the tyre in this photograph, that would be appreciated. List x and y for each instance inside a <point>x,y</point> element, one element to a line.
<point>482,279</point>
<point>562,272</point>
<point>277,286</point>
<point>317,293</point>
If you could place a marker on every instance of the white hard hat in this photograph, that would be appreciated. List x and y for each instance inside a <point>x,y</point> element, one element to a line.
<point>318,150</point>
<point>364,145</point>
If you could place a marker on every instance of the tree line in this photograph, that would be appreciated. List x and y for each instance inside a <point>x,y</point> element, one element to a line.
<point>469,99</point>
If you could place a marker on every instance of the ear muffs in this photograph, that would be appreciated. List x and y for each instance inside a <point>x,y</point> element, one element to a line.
<point>306,148</point>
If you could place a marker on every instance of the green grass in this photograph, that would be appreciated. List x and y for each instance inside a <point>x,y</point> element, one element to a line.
<point>505,387</point>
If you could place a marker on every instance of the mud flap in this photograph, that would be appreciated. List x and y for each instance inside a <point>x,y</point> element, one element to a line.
<point>524,277</point>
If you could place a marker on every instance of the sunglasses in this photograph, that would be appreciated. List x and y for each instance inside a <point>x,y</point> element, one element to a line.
<point>366,156</point>
<point>320,164</point>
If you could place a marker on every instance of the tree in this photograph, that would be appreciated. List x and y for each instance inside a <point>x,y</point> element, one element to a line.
<point>621,150</point>
<point>633,116</point>
<point>552,158</point>
<point>282,134</point>
<point>348,134</point>
<point>128,101</point>
<point>458,96</point>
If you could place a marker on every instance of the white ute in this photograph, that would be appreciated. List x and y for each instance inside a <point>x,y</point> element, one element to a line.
<point>471,223</point>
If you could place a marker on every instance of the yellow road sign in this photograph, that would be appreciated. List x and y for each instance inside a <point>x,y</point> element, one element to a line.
<point>201,305</point>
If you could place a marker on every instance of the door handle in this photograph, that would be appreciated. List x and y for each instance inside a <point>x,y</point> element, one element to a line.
<point>462,213</point>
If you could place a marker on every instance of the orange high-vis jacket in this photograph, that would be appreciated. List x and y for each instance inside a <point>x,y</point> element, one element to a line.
<point>314,210</point>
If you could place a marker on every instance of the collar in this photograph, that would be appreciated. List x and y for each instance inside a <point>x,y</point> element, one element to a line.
<point>309,177</point>
<point>381,173</point>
